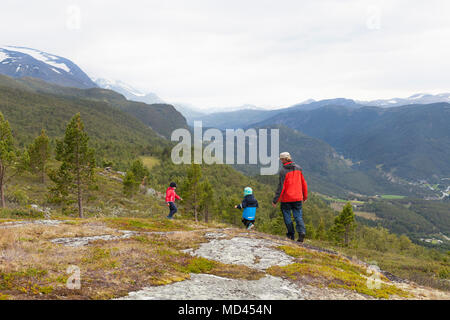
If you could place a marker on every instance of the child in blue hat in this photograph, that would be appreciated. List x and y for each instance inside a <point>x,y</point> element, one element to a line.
<point>249,204</point>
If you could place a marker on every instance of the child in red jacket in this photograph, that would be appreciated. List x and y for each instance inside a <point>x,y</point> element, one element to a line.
<point>171,195</point>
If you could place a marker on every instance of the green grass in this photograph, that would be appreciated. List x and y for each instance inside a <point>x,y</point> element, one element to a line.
<point>105,200</point>
<point>4,296</point>
<point>20,213</point>
<point>415,265</point>
<point>206,266</point>
<point>149,161</point>
<point>200,265</point>
<point>343,201</point>
<point>335,199</point>
<point>147,224</point>
<point>391,197</point>
<point>334,272</point>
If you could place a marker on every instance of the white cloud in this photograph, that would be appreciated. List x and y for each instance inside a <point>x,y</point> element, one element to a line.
<point>224,53</point>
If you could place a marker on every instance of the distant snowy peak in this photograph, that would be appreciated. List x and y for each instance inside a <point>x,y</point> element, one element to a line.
<point>419,98</point>
<point>20,62</point>
<point>128,91</point>
<point>111,84</point>
<point>312,104</point>
<point>47,58</point>
<point>211,110</point>
<point>308,101</point>
<point>241,107</point>
<point>4,55</point>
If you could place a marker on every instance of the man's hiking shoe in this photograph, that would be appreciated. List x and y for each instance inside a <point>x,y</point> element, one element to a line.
<point>250,226</point>
<point>290,236</point>
<point>301,237</point>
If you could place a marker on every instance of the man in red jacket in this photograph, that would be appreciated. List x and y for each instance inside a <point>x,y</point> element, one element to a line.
<point>291,192</point>
<point>171,195</point>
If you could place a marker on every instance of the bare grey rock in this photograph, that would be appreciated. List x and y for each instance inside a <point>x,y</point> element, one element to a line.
<point>254,253</point>
<point>45,210</point>
<point>12,224</point>
<point>210,287</point>
<point>214,235</point>
<point>151,192</point>
<point>83,241</point>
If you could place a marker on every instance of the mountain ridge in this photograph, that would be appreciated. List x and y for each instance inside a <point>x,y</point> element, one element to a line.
<point>128,91</point>
<point>162,118</point>
<point>409,141</point>
<point>18,62</point>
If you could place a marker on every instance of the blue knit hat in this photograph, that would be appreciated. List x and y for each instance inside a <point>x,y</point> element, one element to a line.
<point>248,191</point>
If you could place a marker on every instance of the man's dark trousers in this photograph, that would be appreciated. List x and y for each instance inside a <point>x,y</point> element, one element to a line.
<point>296,209</point>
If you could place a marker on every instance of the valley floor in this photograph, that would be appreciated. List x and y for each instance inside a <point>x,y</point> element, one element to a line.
<point>130,258</point>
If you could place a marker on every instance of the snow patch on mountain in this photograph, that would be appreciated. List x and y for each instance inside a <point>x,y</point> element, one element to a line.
<point>19,62</point>
<point>41,56</point>
<point>3,55</point>
<point>418,98</point>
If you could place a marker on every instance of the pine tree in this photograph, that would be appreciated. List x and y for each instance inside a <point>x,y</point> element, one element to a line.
<point>344,224</point>
<point>321,232</point>
<point>310,230</point>
<point>76,172</point>
<point>130,186</point>
<point>137,174</point>
<point>140,171</point>
<point>192,188</point>
<point>207,197</point>
<point>226,211</point>
<point>7,154</point>
<point>221,208</point>
<point>39,152</point>
<point>12,161</point>
<point>404,243</point>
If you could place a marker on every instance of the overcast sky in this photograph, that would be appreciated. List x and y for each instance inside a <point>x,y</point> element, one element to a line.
<point>228,53</point>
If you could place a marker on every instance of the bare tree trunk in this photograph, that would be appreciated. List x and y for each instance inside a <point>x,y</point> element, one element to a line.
<point>195,207</point>
<point>347,231</point>
<point>2,194</point>
<point>80,200</point>
<point>43,175</point>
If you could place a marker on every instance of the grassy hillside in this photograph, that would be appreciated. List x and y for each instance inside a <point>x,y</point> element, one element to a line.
<point>107,207</point>
<point>154,256</point>
<point>417,218</point>
<point>162,118</point>
<point>117,136</point>
<point>28,198</point>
